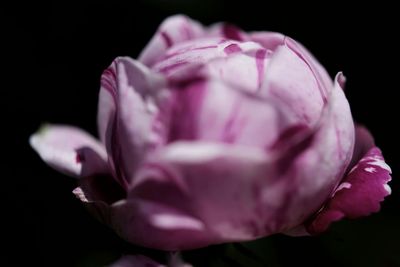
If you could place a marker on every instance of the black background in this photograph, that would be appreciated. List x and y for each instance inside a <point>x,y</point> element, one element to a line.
<point>54,55</point>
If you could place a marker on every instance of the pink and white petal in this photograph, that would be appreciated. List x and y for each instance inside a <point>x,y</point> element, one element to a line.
<point>324,81</point>
<point>269,40</point>
<point>272,40</point>
<point>179,62</point>
<point>199,170</point>
<point>172,31</point>
<point>170,228</point>
<point>183,61</point>
<point>136,261</point>
<point>130,91</point>
<point>318,170</point>
<point>359,193</point>
<point>210,110</point>
<point>244,67</point>
<point>70,150</point>
<point>290,82</point>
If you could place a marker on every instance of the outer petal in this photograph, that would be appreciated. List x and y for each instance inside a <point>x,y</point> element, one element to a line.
<point>319,169</point>
<point>323,79</point>
<point>171,228</point>
<point>172,31</point>
<point>178,197</point>
<point>127,108</point>
<point>272,40</point>
<point>359,193</point>
<point>290,82</point>
<point>70,150</point>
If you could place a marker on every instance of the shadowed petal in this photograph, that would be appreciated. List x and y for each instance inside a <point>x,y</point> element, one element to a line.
<point>97,193</point>
<point>157,225</point>
<point>70,150</point>
<point>364,142</point>
<point>127,108</point>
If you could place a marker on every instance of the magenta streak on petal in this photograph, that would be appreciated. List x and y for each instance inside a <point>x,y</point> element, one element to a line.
<point>231,32</point>
<point>260,56</point>
<point>186,31</point>
<point>168,68</point>
<point>166,38</point>
<point>229,134</point>
<point>232,48</point>
<point>186,107</point>
<point>108,82</point>
<point>110,71</point>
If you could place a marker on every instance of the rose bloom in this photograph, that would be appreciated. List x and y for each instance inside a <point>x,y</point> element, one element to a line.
<point>217,135</point>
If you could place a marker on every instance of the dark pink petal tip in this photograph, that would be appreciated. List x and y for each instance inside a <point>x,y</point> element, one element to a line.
<point>359,194</point>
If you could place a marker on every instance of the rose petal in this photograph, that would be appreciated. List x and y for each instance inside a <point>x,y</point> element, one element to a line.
<point>70,150</point>
<point>183,61</point>
<point>245,66</point>
<point>214,111</point>
<point>172,31</point>
<point>323,79</point>
<point>359,193</point>
<point>158,226</point>
<point>189,176</point>
<point>127,108</point>
<point>320,167</point>
<point>290,81</point>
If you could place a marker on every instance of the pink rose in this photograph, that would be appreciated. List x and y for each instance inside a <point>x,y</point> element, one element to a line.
<point>216,135</point>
